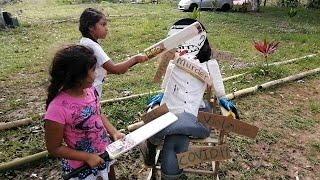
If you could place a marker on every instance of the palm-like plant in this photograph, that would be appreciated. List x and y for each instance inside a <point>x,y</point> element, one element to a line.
<point>266,48</point>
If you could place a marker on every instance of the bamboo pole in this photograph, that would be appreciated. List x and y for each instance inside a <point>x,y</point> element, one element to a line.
<point>292,60</point>
<point>253,89</point>
<point>12,124</point>
<point>224,79</point>
<point>128,97</point>
<point>20,161</point>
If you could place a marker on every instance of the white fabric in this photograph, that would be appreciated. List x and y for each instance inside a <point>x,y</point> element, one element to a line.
<point>102,58</point>
<point>183,92</point>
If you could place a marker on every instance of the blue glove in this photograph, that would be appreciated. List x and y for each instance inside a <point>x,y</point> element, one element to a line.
<point>155,100</point>
<point>229,106</point>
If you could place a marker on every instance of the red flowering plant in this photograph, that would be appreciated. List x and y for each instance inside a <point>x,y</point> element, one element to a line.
<point>266,48</point>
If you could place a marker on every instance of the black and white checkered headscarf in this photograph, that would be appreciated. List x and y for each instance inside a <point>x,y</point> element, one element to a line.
<point>197,47</point>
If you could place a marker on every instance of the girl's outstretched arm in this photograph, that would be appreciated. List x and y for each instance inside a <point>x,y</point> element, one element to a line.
<point>111,129</point>
<point>54,137</point>
<point>122,67</point>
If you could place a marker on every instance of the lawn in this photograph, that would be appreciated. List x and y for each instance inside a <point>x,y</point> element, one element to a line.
<point>288,115</point>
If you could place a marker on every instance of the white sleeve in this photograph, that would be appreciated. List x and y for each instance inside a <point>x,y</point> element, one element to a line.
<point>101,56</point>
<point>216,76</point>
<point>167,75</point>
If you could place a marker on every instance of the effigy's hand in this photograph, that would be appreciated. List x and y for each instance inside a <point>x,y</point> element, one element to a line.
<point>155,100</point>
<point>229,105</point>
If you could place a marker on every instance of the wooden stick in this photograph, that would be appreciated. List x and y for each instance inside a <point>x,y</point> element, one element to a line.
<point>18,123</point>
<point>20,161</point>
<point>253,89</point>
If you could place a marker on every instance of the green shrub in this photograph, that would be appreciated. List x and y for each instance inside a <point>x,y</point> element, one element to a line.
<point>313,4</point>
<point>288,3</point>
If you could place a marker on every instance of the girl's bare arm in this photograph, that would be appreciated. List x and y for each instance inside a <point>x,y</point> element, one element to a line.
<point>54,138</point>
<point>111,129</point>
<point>122,67</point>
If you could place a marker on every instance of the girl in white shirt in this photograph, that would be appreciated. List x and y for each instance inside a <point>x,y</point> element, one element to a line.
<point>93,26</point>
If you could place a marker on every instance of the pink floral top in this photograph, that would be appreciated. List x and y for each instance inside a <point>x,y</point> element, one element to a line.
<point>83,127</point>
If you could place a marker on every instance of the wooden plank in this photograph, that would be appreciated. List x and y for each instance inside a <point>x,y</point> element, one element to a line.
<point>228,124</point>
<point>203,154</point>
<point>134,138</point>
<point>155,113</point>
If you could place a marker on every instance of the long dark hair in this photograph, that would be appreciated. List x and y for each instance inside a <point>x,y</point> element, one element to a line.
<point>205,51</point>
<point>88,19</point>
<point>70,66</point>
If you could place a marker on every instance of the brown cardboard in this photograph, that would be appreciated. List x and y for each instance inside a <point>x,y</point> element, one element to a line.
<point>193,69</point>
<point>222,55</point>
<point>164,61</point>
<point>155,113</point>
<point>228,124</point>
<point>203,154</point>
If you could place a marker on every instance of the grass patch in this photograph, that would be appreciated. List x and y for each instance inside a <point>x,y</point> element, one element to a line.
<point>268,136</point>
<point>313,154</point>
<point>296,122</point>
<point>315,106</point>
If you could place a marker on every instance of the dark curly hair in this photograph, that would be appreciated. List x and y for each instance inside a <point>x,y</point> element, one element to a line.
<point>70,66</point>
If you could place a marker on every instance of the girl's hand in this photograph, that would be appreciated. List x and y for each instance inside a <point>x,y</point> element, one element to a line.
<point>118,135</point>
<point>141,58</point>
<point>94,160</point>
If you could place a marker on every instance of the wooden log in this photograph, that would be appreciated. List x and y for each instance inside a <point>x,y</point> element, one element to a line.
<point>13,124</point>
<point>253,89</point>
<point>20,161</point>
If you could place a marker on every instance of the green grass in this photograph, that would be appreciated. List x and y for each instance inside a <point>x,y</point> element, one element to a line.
<point>298,122</point>
<point>26,53</point>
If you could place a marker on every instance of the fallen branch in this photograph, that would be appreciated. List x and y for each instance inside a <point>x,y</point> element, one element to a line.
<point>22,122</point>
<point>20,161</point>
<point>253,89</point>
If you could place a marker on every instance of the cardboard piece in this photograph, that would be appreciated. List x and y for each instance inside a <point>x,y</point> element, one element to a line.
<point>228,124</point>
<point>155,113</point>
<point>222,55</point>
<point>193,69</point>
<point>131,140</point>
<point>174,40</point>
<point>203,154</point>
<point>164,61</point>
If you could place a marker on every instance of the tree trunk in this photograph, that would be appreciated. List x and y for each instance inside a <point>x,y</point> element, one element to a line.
<point>255,5</point>
<point>2,22</point>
